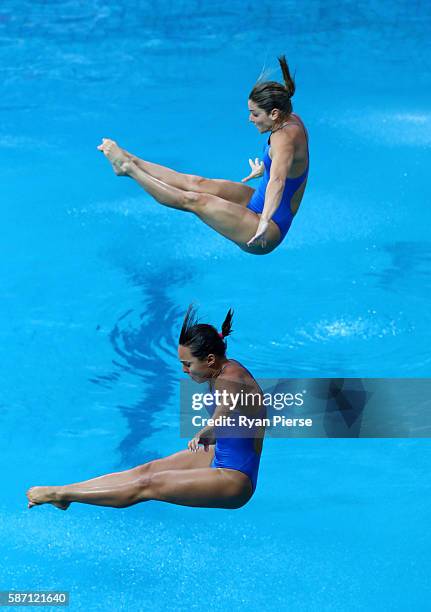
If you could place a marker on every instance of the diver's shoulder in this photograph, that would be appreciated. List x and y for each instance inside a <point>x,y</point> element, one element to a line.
<point>291,132</point>
<point>236,372</point>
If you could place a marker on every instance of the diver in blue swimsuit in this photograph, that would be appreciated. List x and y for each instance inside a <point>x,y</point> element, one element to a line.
<point>235,448</point>
<point>256,221</point>
<point>219,468</point>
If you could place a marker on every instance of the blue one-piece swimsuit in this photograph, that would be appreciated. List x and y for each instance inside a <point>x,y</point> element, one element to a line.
<point>236,453</point>
<point>283,215</point>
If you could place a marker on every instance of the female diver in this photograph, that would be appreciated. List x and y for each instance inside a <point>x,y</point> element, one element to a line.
<point>256,220</point>
<point>216,471</point>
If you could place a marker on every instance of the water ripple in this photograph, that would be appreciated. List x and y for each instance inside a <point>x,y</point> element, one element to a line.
<point>143,343</point>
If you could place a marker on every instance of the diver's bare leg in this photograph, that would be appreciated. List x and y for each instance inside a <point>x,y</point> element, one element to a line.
<point>183,460</point>
<point>235,222</point>
<point>202,487</point>
<point>228,190</point>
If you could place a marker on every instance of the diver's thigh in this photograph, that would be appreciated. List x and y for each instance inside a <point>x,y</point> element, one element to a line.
<point>228,190</point>
<point>183,460</point>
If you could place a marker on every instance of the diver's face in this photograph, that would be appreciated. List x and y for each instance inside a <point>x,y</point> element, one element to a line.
<point>198,369</point>
<point>259,117</point>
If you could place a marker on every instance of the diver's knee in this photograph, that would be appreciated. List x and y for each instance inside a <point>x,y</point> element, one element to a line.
<point>193,201</point>
<point>156,485</point>
<point>143,487</point>
<point>197,183</point>
<point>145,469</point>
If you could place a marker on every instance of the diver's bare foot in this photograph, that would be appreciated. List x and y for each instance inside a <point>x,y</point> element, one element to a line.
<point>129,167</point>
<point>116,155</point>
<point>46,495</point>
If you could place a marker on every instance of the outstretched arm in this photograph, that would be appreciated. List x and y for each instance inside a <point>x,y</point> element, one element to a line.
<point>282,150</point>
<point>280,168</point>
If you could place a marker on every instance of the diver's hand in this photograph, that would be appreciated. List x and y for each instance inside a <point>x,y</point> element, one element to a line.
<point>257,169</point>
<point>193,445</point>
<point>260,235</point>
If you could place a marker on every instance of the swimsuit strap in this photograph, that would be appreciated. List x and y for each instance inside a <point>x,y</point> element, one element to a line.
<point>223,368</point>
<point>297,122</point>
<point>282,126</point>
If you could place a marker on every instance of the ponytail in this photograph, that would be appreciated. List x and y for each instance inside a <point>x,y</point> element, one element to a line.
<point>226,327</point>
<point>288,80</point>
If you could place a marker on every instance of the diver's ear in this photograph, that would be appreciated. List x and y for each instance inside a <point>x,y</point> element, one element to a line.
<point>275,114</point>
<point>211,360</point>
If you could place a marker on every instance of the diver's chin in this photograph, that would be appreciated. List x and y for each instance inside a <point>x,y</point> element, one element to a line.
<point>197,379</point>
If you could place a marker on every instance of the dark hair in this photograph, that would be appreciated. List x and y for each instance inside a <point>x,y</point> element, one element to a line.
<point>270,94</point>
<point>203,339</point>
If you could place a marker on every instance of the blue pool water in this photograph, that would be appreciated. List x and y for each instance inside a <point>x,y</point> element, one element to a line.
<point>96,278</point>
